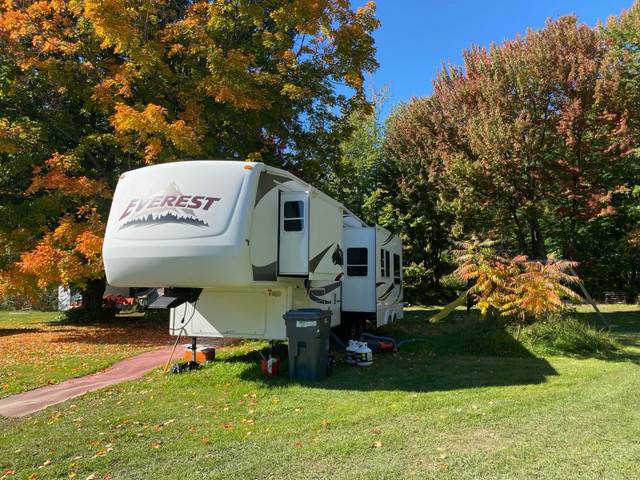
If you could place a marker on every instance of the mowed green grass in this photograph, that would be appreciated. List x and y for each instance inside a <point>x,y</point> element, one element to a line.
<point>434,409</point>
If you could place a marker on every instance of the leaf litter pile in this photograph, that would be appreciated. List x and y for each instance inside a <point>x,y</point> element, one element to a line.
<point>37,350</point>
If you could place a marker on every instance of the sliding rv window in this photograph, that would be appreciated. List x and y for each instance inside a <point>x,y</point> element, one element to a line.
<point>387,264</point>
<point>385,268</point>
<point>397,279</point>
<point>294,216</point>
<point>357,262</point>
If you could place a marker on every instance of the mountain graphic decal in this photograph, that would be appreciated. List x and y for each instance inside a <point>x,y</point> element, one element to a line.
<point>168,206</point>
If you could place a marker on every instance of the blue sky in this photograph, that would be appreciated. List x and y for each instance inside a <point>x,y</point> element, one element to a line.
<point>417,35</point>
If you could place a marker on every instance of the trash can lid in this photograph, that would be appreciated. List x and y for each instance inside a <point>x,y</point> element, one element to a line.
<point>307,313</point>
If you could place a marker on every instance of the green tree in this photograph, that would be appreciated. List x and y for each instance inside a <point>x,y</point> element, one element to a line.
<point>620,86</point>
<point>523,131</point>
<point>374,181</point>
<point>414,204</point>
<point>359,172</point>
<point>524,136</point>
<point>533,141</point>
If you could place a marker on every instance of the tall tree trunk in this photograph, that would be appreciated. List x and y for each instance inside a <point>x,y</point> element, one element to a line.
<point>537,241</point>
<point>519,232</point>
<point>92,296</point>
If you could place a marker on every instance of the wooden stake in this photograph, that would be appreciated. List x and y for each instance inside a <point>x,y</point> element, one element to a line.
<point>588,297</point>
<point>173,350</point>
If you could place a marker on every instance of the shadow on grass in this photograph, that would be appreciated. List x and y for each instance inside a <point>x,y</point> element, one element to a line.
<point>121,332</point>
<point>446,358</point>
<point>413,368</point>
<point>6,332</point>
<point>451,355</point>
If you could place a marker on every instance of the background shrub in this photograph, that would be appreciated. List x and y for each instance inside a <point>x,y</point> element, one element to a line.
<point>562,333</point>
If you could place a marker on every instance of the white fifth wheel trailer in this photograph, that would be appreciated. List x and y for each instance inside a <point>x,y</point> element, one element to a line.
<point>237,244</point>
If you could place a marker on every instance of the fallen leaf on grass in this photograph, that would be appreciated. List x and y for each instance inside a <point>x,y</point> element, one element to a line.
<point>377,444</point>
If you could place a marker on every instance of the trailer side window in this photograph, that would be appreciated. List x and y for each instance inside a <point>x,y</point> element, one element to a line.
<point>294,216</point>
<point>396,269</point>
<point>357,262</point>
<point>387,264</point>
<point>385,267</point>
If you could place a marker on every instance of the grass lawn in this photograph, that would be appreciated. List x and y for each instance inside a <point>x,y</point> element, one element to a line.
<point>37,349</point>
<point>442,408</point>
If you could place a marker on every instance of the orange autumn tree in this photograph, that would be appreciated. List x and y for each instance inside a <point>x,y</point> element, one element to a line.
<point>514,286</point>
<point>92,88</point>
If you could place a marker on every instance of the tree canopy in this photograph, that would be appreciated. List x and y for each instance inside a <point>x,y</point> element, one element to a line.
<point>528,142</point>
<point>89,89</point>
<point>532,142</point>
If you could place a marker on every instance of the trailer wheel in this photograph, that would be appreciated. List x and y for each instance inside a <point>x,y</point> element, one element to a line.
<point>362,326</point>
<point>355,329</point>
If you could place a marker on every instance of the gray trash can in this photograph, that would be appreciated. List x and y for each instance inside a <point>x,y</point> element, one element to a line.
<point>308,336</point>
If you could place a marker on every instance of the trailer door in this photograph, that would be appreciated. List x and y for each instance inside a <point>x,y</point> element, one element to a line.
<point>293,247</point>
<point>359,283</point>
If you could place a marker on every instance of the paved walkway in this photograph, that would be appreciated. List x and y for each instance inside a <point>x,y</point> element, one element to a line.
<point>129,369</point>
